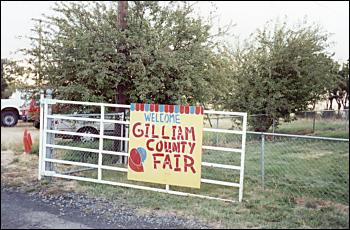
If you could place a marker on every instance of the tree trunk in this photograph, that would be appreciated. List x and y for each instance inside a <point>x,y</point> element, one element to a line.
<point>330,103</point>
<point>261,123</point>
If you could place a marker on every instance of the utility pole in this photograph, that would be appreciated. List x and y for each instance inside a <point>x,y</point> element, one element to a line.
<point>40,39</point>
<point>122,23</point>
<point>122,14</point>
<point>121,87</point>
<point>39,67</point>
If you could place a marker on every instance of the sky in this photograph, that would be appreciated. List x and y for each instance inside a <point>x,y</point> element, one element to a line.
<point>247,16</point>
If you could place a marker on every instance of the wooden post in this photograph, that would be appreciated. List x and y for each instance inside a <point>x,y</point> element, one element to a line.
<point>121,88</point>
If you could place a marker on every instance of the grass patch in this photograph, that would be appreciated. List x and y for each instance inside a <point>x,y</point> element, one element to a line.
<point>3,147</point>
<point>261,209</point>
<point>16,160</point>
<point>35,148</point>
<point>325,128</point>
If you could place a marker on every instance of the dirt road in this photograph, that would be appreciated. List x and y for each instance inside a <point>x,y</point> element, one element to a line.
<point>14,135</point>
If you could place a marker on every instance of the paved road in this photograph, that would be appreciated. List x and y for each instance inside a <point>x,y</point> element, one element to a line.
<point>21,210</point>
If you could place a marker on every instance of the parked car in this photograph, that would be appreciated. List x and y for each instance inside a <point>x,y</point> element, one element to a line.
<point>83,126</point>
<point>87,126</point>
<point>11,109</point>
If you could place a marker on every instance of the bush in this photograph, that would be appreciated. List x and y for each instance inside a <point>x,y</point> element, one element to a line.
<point>35,149</point>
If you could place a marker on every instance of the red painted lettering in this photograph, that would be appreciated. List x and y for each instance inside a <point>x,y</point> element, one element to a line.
<point>188,162</point>
<point>154,135</point>
<point>175,147</point>
<point>147,129</point>
<point>159,146</point>
<point>190,131</point>
<point>179,134</point>
<point>155,161</point>
<point>167,162</point>
<point>192,145</point>
<point>148,144</point>
<point>174,131</point>
<point>163,133</point>
<point>177,168</point>
<point>139,131</point>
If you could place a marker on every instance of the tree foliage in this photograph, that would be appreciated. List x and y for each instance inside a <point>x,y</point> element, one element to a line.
<point>9,82</point>
<point>340,92</point>
<point>169,56</point>
<point>16,76</point>
<point>169,53</point>
<point>4,84</point>
<point>281,71</point>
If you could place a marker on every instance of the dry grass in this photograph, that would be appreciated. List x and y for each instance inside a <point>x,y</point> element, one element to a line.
<point>21,170</point>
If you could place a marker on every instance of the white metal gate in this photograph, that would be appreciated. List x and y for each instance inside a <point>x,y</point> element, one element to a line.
<point>48,147</point>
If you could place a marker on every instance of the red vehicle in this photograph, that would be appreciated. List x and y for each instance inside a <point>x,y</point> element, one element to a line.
<point>31,110</point>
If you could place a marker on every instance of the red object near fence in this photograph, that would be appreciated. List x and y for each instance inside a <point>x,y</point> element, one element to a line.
<point>27,141</point>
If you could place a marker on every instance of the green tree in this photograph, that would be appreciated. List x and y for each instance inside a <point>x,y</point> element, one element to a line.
<point>8,82</point>
<point>16,77</point>
<point>340,92</point>
<point>169,53</point>
<point>281,71</point>
<point>4,84</point>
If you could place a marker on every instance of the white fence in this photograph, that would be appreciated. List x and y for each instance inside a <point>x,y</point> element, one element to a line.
<point>48,148</point>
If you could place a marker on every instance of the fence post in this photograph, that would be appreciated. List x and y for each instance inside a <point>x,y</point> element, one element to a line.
<point>125,158</point>
<point>122,159</point>
<point>100,147</point>
<point>41,133</point>
<point>262,160</point>
<point>217,126</point>
<point>273,128</point>
<point>50,136</point>
<point>241,174</point>
<point>126,142</point>
<point>313,123</point>
<point>346,119</point>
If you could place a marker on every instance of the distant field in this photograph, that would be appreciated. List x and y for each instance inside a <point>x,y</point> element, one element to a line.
<point>325,128</point>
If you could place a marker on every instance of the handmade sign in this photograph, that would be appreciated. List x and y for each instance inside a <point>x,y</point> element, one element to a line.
<point>165,144</point>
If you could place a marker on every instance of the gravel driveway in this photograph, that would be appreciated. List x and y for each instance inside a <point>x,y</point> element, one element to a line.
<point>14,135</point>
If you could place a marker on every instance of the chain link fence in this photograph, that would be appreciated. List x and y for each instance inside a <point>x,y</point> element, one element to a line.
<point>295,166</point>
<point>299,166</point>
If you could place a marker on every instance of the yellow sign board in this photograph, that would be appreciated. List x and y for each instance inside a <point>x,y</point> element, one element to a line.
<point>165,144</point>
